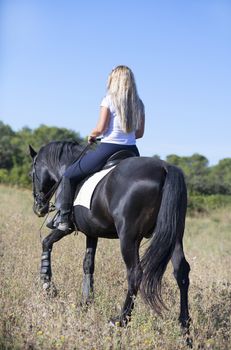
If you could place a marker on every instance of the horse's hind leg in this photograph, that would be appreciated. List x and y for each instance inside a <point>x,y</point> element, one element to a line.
<point>47,245</point>
<point>181,273</point>
<point>130,254</point>
<point>88,269</point>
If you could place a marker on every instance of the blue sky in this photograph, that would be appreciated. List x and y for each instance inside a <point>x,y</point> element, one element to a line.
<point>56,56</point>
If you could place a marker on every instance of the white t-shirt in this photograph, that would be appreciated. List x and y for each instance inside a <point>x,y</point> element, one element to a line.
<point>114,133</point>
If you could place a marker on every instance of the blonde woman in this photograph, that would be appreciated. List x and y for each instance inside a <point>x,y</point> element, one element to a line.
<point>120,123</point>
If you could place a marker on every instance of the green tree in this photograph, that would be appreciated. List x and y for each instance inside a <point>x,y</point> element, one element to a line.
<point>7,149</point>
<point>14,151</point>
<point>45,134</point>
<point>220,177</point>
<point>195,169</point>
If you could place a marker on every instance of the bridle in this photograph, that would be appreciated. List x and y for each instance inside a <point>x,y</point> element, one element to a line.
<point>39,195</point>
<point>46,197</point>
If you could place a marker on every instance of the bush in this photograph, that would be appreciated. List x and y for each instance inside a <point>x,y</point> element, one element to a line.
<point>203,204</point>
<point>4,176</point>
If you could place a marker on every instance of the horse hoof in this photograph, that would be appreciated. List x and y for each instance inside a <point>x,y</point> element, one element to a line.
<point>113,323</point>
<point>49,289</point>
<point>46,286</point>
<point>118,322</point>
<point>189,342</point>
<point>85,302</point>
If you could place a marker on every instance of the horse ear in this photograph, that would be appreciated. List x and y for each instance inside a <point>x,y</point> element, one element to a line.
<point>33,153</point>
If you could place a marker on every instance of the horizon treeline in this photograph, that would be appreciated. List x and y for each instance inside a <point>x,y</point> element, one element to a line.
<point>15,161</point>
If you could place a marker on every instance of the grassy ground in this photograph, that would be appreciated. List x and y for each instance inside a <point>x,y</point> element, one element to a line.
<point>31,320</point>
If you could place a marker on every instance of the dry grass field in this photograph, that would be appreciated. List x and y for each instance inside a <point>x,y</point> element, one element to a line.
<point>31,320</point>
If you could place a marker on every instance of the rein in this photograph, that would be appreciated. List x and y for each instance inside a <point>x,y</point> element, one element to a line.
<point>51,192</point>
<point>47,197</point>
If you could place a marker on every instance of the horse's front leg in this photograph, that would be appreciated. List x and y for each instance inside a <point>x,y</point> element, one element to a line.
<point>47,245</point>
<point>88,269</point>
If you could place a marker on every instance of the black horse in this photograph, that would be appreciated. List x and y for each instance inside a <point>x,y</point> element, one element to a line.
<point>141,197</point>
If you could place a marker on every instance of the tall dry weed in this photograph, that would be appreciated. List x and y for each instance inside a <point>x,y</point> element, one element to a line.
<point>31,320</point>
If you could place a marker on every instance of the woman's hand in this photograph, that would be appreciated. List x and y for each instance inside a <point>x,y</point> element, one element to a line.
<point>91,139</point>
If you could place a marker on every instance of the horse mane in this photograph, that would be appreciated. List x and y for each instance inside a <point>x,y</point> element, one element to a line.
<point>58,153</point>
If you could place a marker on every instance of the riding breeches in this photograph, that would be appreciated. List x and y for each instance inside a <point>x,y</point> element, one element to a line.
<point>91,162</point>
<point>94,160</point>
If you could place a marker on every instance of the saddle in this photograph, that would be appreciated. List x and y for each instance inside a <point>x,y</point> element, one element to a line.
<point>86,189</point>
<point>117,157</point>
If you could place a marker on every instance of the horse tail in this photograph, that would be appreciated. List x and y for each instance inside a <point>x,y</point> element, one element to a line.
<point>170,222</point>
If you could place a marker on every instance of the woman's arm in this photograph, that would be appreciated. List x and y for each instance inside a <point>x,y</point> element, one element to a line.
<point>101,125</point>
<point>140,132</point>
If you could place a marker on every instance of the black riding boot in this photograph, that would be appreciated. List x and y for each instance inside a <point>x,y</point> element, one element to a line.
<point>64,204</point>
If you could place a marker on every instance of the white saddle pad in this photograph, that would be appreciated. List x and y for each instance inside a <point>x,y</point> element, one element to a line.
<point>84,196</point>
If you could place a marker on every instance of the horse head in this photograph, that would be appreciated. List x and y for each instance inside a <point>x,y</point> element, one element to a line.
<point>42,183</point>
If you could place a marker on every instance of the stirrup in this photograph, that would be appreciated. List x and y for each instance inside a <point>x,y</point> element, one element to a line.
<point>52,223</point>
<point>65,226</point>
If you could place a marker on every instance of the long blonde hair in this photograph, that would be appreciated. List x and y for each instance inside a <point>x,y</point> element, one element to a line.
<point>122,88</point>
